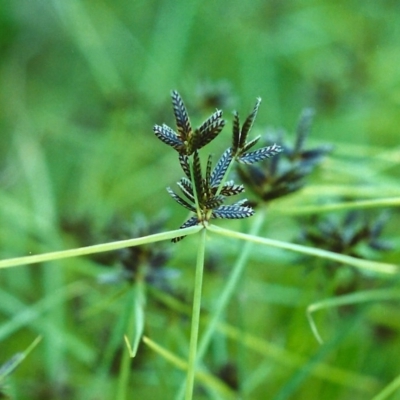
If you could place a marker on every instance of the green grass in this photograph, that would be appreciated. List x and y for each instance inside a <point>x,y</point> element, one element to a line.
<point>81,86</point>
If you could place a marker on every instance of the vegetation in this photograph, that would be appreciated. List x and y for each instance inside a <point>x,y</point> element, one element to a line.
<point>290,291</point>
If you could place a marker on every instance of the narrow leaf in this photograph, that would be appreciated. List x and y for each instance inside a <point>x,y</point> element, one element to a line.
<point>136,319</point>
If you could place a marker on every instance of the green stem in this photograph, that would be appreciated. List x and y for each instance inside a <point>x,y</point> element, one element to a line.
<point>227,293</point>
<point>98,248</point>
<point>194,332</point>
<point>352,298</point>
<point>349,205</point>
<point>378,267</point>
<point>123,378</point>
<point>229,288</point>
<point>388,390</point>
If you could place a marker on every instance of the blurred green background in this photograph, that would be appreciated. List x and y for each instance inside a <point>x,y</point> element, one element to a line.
<point>81,85</point>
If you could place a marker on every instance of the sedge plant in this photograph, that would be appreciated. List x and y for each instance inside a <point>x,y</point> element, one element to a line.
<point>206,191</point>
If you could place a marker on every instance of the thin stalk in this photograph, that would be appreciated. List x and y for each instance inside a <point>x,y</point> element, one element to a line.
<point>10,365</point>
<point>229,288</point>
<point>123,378</point>
<point>194,331</point>
<point>227,293</point>
<point>349,205</point>
<point>388,390</point>
<point>54,348</point>
<point>205,378</point>
<point>352,298</point>
<point>378,267</point>
<point>98,248</point>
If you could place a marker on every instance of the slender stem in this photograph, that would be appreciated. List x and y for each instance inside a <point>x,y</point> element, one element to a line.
<point>98,248</point>
<point>123,378</point>
<point>388,390</point>
<point>348,205</point>
<point>226,294</point>
<point>352,298</point>
<point>229,287</point>
<point>378,267</point>
<point>194,332</point>
<point>10,365</point>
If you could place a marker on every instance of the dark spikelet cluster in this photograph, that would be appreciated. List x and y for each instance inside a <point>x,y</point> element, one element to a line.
<point>347,235</point>
<point>240,145</point>
<point>205,192</point>
<point>147,263</point>
<point>287,172</point>
<point>186,140</point>
<point>355,233</point>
